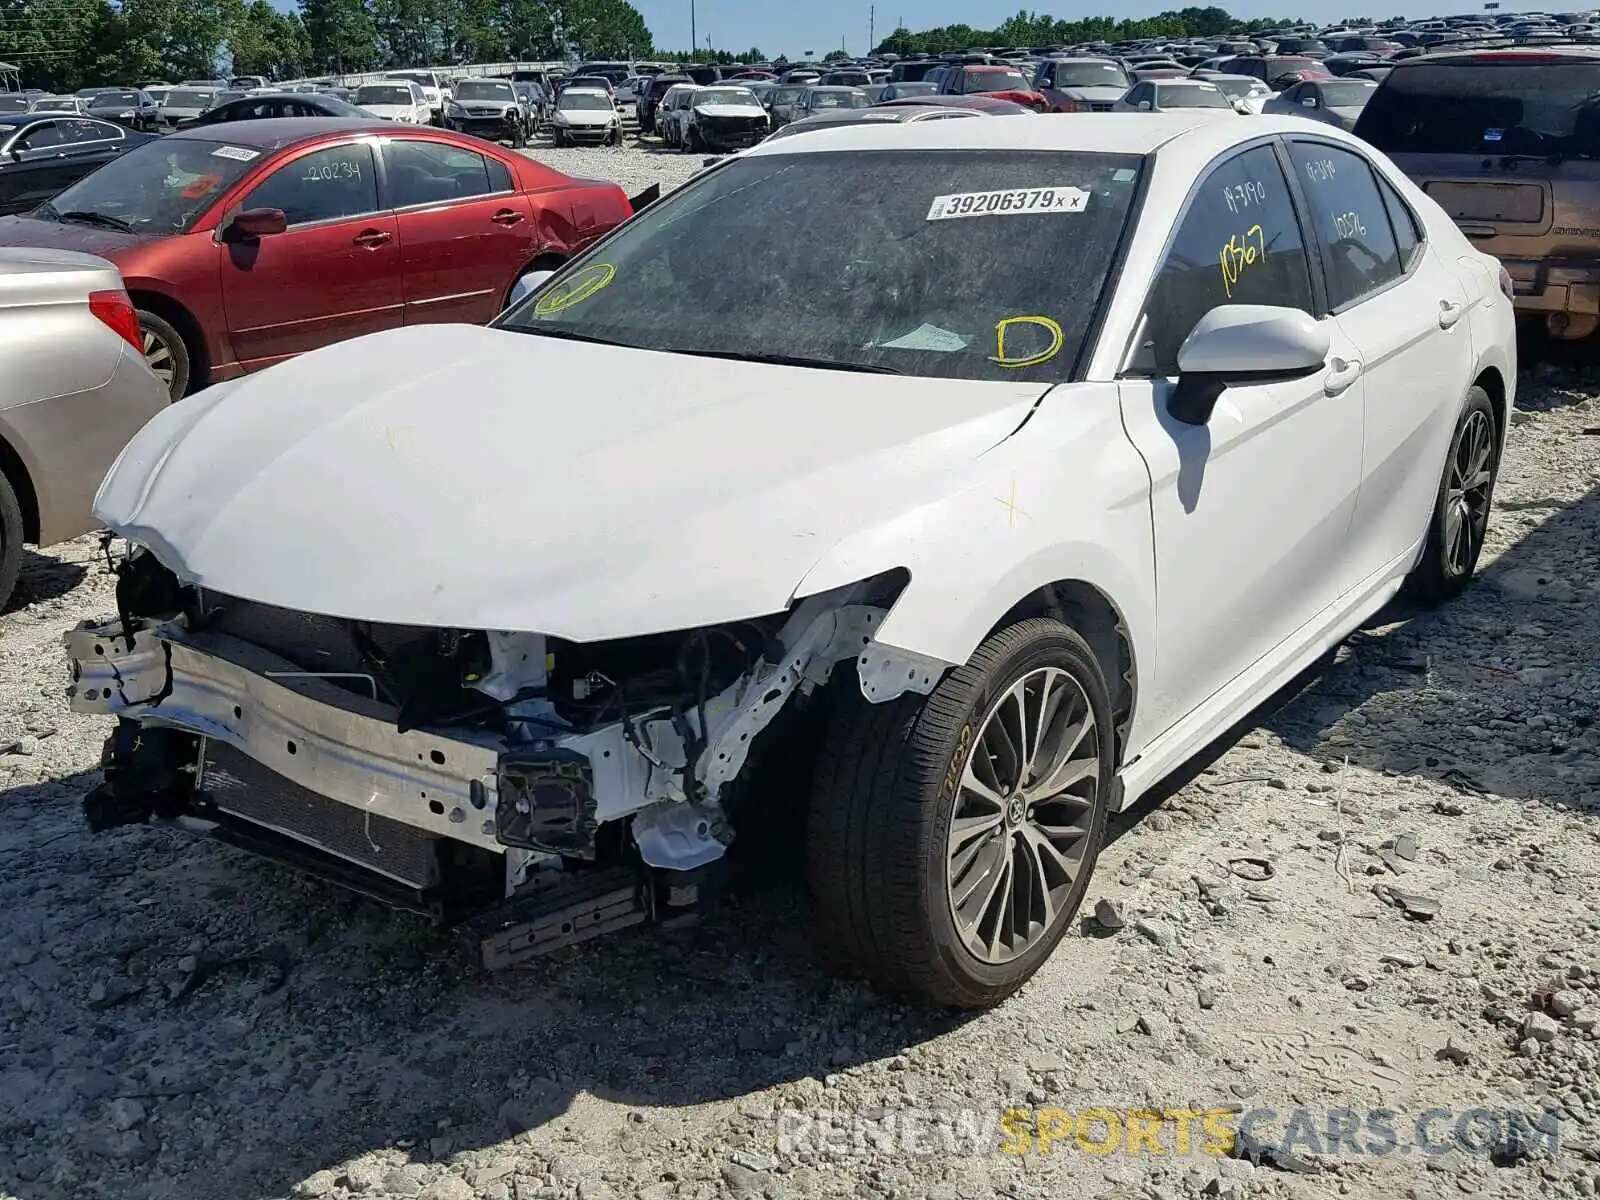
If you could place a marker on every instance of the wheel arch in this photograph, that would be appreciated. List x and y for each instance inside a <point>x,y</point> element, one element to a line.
<point>186,323</point>
<point>1494,385</point>
<point>21,481</point>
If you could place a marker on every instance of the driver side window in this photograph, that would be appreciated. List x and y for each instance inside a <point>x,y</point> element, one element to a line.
<point>1239,243</point>
<point>324,185</point>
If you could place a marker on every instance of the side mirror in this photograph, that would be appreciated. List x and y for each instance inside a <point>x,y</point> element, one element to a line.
<point>255,223</point>
<point>1308,101</point>
<point>1236,344</point>
<point>1144,106</point>
<point>525,285</point>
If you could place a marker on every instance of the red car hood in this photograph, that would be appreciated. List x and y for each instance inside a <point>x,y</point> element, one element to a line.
<point>68,235</point>
<point>1028,99</point>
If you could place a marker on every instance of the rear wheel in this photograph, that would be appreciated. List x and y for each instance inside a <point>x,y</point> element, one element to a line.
<point>1460,519</point>
<point>952,836</point>
<point>166,353</point>
<point>10,539</point>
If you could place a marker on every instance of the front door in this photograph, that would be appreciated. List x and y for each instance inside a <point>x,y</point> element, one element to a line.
<point>465,233</point>
<point>336,272</point>
<point>40,167</point>
<point>1251,511</point>
<point>1383,282</point>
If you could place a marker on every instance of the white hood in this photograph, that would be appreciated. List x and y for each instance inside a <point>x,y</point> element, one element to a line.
<point>390,112</point>
<point>454,475</point>
<point>586,116</point>
<point>731,110</point>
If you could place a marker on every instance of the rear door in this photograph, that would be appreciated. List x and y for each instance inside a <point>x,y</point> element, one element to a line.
<point>336,272</point>
<point>1404,309</point>
<point>465,233</point>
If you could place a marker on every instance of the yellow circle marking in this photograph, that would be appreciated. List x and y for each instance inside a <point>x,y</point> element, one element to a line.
<point>576,290</point>
<point>1057,340</point>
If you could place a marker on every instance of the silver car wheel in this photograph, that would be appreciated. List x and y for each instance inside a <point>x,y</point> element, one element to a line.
<point>1466,516</point>
<point>1023,813</point>
<point>158,356</point>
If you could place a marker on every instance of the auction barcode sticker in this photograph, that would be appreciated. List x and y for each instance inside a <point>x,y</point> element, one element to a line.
<point>1011,202</point>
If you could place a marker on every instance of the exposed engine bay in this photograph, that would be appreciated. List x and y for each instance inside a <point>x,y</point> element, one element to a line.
<point>453,771</point>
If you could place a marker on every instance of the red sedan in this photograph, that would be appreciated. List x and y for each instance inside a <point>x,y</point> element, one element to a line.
<point>247,243</point>
<point>993,79</point>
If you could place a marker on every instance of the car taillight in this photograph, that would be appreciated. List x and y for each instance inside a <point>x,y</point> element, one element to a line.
<point>1506,286</point>
<point>115,311</point>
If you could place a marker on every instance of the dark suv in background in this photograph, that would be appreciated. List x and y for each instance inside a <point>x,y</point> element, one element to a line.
<point>1508,143</point>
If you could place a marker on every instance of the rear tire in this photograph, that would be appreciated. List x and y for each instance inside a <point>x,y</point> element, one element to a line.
<point>166,353</point>
<point>1460,519</point>
<point>963,914</point>
<point>10,540</point>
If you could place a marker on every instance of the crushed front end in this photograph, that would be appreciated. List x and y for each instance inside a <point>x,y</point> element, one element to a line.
<point>536,790</point>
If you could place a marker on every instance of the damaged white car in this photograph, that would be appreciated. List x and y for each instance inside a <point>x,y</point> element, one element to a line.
<point>996,468</point>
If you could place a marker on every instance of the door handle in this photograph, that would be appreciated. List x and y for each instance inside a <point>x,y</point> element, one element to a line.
<point>371,238</point>
<point>1345,372</point>
<point>506,216</point>
<point>1449,314</point>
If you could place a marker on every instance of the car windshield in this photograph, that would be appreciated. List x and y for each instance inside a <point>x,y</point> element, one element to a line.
<point>107,99</point>
<point>848,259</point>
<point>420,78</point>
<point>485,91</point>
<point>728,96</point>
<point>67,104</point>
<point>822,100</point>
<point>787,95</point>
<point>995,80</point>
<point>1347,93</point>
<point>378,93</point>
<point>1486,107</point>
<point>584,100</point>
<point>13,104</point>
<point>902,91</point>
<point>187,98</point>
<point>1191,95</point>
<point>1071,75</point>
<point>162,187</point>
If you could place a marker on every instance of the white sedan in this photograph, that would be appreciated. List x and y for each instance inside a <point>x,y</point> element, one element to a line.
<point>995,468</point>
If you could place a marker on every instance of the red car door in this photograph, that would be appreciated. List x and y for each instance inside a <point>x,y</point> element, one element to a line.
<point>465,233</point>
<point>334,274</point>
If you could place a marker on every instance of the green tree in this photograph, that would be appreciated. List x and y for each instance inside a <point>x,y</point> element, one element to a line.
<point>604,28</point>
<point>268,42</point>
<point>340,34</point>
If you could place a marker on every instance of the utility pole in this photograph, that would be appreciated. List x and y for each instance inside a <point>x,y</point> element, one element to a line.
<point>694,40</point>
<point>872,28</point>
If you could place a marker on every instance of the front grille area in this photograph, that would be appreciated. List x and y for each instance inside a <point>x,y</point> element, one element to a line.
<point>237,784</point>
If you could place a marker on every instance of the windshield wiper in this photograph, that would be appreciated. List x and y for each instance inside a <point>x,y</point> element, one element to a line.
<point>84,217</point>
<point>794,360</point>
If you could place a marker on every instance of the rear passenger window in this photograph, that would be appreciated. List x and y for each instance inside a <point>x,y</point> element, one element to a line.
<point>428,172</point>
<point>1350,220</point>
<point>499,175</point>
<point>1239,243</point>
<point>1403,221</point>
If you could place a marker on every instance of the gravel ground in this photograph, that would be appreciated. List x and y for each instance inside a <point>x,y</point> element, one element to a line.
<point>635,165</point>
<point>181,1022</point>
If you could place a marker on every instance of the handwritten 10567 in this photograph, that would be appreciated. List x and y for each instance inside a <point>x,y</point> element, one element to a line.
<point>1239,253</point>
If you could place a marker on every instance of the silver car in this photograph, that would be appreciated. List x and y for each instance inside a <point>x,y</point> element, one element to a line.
<point>186,103</point>
<point>1336,102</point>
<point>74,390</point>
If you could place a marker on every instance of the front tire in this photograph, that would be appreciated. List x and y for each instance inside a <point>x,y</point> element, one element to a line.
<point>952,836</point>
<point>166,353</point>
<point>1460,520</point>
<point>10,540</point>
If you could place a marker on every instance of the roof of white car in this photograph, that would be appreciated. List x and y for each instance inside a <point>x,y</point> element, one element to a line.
<point>1095,133</point>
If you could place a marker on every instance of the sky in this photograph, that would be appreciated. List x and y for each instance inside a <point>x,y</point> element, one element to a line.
<point>821,25</point>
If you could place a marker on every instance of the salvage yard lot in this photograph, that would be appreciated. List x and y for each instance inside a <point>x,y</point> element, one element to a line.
<point>179,1021</point>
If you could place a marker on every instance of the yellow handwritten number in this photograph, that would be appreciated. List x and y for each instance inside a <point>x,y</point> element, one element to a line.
<point>578,288</point>
<point>1057,340</point>
<point>1239,253</point>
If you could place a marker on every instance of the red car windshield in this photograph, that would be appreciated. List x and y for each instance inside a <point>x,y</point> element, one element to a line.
<point>997,80</point>
<point>159,188</point>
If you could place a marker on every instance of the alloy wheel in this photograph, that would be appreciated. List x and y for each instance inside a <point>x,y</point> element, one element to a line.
<point>1466,512</point>
<point>158,356</point>
<point>1023,814</point>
